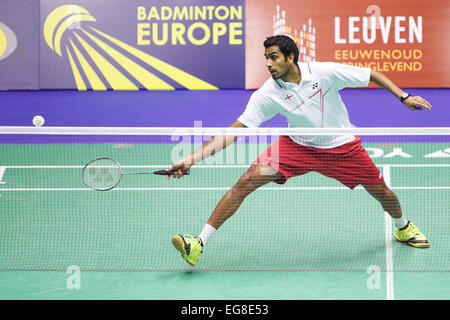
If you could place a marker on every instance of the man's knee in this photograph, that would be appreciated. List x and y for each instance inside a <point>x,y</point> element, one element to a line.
<point>257,175</point>
<point>387,194</point>
<point>387,198</point>
<point>383,194</point>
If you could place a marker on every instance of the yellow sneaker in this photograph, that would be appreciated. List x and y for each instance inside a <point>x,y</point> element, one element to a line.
<point>190,248</point>
<point>411,236</point>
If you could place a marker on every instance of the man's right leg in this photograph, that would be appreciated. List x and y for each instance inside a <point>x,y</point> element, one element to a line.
<point>257,175</point>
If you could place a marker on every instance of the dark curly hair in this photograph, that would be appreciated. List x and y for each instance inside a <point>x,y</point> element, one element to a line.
<point>285,43</point>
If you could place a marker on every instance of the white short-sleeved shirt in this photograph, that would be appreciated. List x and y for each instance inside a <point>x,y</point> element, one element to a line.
<point>315,102</point>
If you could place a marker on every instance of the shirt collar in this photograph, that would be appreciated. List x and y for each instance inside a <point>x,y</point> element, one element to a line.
<point>305,71</point>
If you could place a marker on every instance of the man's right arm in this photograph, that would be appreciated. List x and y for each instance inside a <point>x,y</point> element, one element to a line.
<point>216,144</point>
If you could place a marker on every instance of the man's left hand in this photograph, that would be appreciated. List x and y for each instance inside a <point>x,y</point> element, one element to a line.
<point>417,103</point>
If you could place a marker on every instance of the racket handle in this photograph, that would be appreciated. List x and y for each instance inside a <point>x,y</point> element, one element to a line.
<point>171,172</point>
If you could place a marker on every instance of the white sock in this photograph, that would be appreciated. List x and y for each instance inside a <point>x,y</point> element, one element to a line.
<point>207,232</point>
<point>400,223</point>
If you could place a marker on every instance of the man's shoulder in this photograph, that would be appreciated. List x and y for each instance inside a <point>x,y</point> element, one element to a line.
<point>328,67</point>
<point>269,86</point>
<point>267,90</point>
<point>317,67</point>
<point>267,93</point>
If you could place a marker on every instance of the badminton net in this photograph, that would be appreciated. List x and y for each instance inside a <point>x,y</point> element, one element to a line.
<point>50,220</point>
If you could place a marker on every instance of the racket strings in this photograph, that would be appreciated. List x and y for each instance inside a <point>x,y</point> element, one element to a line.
<point>102,174</point>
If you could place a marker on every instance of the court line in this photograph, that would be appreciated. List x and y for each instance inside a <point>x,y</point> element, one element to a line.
<point>215,188</point>
<point>129,166</point>
<point>420,188</point>
<point>221,166</point>
<point>173,189</point>
<point>2,172</point>
<point>388,241</point>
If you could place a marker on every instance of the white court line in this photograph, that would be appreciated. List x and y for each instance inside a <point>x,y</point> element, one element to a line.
<point>131,166</point>
<point>175,189</point>
<point>2,172</point>
<point>216,188</point>
<point>414,165</point>
<point>420,188</point>
<point>206,189</point>
<point>204,166</point>
<point>388,241</point>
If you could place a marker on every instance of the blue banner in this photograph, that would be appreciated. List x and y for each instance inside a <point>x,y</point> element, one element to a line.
<point>19,45</point>
<point>131,45</point>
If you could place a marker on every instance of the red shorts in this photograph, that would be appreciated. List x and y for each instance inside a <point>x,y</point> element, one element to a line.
<point>350,163</point>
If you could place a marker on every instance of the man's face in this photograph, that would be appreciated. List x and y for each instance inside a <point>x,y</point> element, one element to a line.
<point>277,64</point>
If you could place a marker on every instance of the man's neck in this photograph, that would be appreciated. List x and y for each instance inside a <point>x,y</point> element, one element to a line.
<point>294,75</point>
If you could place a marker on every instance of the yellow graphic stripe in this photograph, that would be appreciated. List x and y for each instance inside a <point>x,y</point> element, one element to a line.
<point>183,78</point>
<point>58,15</point>
<point>148,80</point>
<point>3,42</point>
<point>76,73</point>
<point>115,78</point>
<point>67,23</point>
<point>94,80</point>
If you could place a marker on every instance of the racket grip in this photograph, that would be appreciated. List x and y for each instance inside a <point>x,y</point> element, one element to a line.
<point>171,172</point>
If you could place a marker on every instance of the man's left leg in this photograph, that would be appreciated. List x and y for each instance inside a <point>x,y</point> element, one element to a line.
<point>405,231</point>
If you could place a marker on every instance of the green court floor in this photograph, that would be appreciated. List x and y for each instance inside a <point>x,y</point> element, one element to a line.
<point>310,238</point>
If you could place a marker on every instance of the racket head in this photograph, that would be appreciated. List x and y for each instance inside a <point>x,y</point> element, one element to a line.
<point>102,174</point>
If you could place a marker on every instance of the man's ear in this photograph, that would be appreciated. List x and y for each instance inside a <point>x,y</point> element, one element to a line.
<point>290,58</point>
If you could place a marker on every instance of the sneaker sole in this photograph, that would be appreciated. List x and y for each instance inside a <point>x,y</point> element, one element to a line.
<point>420,245</point>
<point>178,243</point>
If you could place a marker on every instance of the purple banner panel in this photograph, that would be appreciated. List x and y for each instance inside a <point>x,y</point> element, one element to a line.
<point>136,44</point>
<point>19,44</point>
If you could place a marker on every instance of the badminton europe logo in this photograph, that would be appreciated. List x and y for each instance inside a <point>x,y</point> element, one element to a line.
<point>8,41</point>
<point>99,61</point>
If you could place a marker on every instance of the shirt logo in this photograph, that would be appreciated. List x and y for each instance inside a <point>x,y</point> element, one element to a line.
<point>288,97</point>
<point>315,85</point>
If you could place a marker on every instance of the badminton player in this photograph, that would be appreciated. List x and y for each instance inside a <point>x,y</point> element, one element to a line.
<point>307,94</point>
